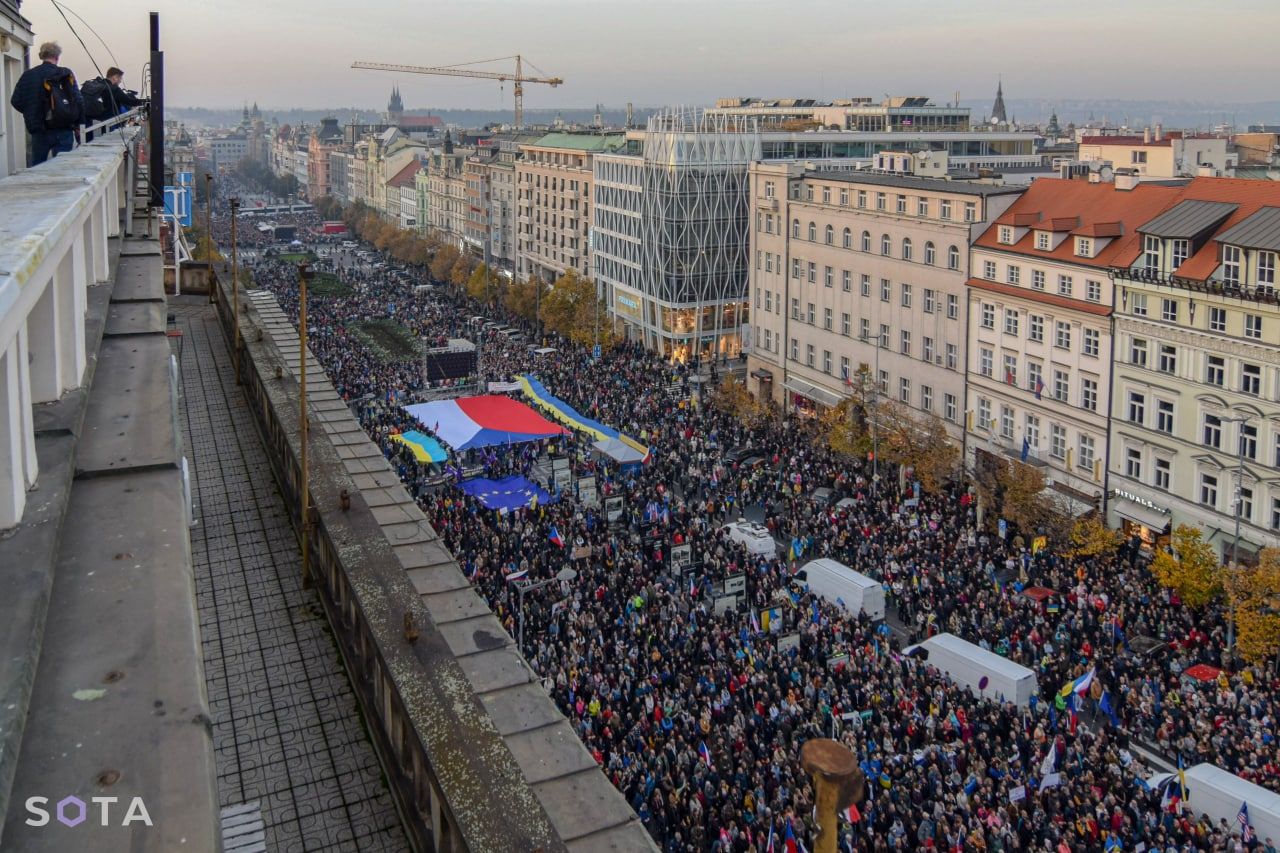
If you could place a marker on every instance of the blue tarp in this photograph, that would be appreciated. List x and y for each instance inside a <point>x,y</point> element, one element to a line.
<point>508,493</point>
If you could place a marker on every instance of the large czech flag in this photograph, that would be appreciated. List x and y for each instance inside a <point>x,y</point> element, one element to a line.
<point>469,422</point>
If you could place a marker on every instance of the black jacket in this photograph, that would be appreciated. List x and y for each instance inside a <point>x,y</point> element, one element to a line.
<point>28,96</point>
<point>117,97</point>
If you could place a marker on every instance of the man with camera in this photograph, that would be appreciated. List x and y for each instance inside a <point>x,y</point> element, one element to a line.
<point>103,98</point>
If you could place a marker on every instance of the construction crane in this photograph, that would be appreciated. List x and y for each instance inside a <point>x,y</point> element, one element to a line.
<point>458,71</point>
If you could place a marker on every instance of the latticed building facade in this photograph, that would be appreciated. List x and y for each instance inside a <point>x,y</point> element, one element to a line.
<point>670,233</point>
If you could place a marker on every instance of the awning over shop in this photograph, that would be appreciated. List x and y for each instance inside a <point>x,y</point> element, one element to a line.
<point>1148,516</point>
<point>813,392</point>
<point>1067,504</point>
<point>762,374</point>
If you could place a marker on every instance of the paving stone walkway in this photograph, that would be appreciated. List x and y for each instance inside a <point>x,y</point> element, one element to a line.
<point>287,732</point>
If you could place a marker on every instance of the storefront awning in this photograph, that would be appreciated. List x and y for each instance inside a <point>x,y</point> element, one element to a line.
<point>1068,505</point>
<point>813,392</point>
<point>762,374</point>
<point>1141,514</point>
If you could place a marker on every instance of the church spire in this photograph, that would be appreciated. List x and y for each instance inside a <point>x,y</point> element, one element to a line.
<point>997,110</point>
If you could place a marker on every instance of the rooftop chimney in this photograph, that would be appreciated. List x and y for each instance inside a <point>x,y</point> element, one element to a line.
<point>1146,135</point>
<point>1159,131</point>
<point>1126,179</point>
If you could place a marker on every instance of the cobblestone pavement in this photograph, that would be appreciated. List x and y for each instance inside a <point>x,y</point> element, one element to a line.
<point>287,732</point>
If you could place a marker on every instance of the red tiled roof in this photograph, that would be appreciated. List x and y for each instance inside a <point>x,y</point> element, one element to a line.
<point>1249,195</point>
<point>1138,139</point>
<point>1040,296</point>
<point>404,177</point>
<point>1063,223</point>
<point>420,121</point>
<point>1101,229</point>
<point>1089,205</point>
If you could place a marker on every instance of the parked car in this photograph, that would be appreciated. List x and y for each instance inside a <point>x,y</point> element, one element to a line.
<point>821,497</point>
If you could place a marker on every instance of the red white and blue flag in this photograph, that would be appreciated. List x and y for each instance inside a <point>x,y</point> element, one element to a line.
<point>555,537</point>
<point>1246,831</point>
<point>518,575</point>
<point>705,754</point>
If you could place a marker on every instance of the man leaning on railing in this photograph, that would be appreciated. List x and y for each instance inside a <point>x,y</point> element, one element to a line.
<point>104,99</point>
<point>50,103</point>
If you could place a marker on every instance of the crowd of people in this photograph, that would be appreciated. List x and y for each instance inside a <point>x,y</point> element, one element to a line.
<point>697,715</point>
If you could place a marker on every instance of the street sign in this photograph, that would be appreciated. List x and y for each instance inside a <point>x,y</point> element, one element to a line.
<point>595,352</point>
<point>587,495</point>
<point>681,556</point>
<point>735,584</point>
<point>613,508</point>
<point>725,603</point>
<point>788,641</point>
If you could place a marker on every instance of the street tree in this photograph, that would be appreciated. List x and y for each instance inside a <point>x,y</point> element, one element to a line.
<point>521,297</point>
<point>922,443</point>
<point>1090,538</point>
<point>1254,596</point>
<point>442,263</point>
<point>570,308</point>
<point>732,396</point>
<point>1192,569</point>
<point>843,428</point>
<point>1014,491</point>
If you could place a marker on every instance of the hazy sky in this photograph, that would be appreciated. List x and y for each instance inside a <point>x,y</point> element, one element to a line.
<point>287,53</point>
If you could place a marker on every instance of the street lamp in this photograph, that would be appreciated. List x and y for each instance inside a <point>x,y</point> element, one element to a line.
<point>874,397</point>
<point>565,575</point>
<point>1238,504</point>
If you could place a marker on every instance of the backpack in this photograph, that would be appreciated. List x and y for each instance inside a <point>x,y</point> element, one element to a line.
<point>97,98</point>
<point>61,110</point>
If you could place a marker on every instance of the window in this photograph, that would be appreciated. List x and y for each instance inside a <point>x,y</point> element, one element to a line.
<point>864,330</point>
<point>902,204</point>
<point>1267,269</point>
<point>929,300</point>
<point>1215,370</point>
<point>1209,490</point>
<point>795,308</point>
<point>1139,308</point>
<point>1217,319</point>
<point>1137,407</point>
<point>1138,352</point>
<point>828,277</point>
<point>1035,378</point>
<point>795,350</point>
<point>1062,335</point>
<point>811,314</point>
<point>953,357</point>
<point>1006,422</point>
<point>844,323</point>
<point>844,367</point>
<point>949,407</point>
<point>1032,432</point>
<point>866,241</point>
<point>886,245</point>
<point>795,228</point>
<point>1253,326</point>
<point>795,267</point>
<point>1065,285</point>
<point>970,211</point>
<point>953,258</point>
<point>880,198</point>
<point>844,198</point>
<point>1164,416</point>
<point>1168,358</point>
<point>1084,452</point>
<point>1250,379</point>
<point>989,270</point>
<point>813,272</point>
<point>986,359</point>
<point>1013,274</point>
<point>1092,342</point>
<point>846,281</point>
<point>1248,441</point>
<point>862,198</point>
<point>886,290</point>
<point>768,301</point>
<point>944,208</point>
<point>906,248</point>
<point>1133,463</point>
<point>768,261</point>
<point>1084,247</point>
<point>1169,310</point>
<point>882,382</point>
<point>1089,394</point>
<point>829,234</point>
<point>906,296</point>
<point>1011,369</point>
<point>1275,513</point>
<point>1010,322</point>
<point>1006,235</point>
<point>768,189</point>
<point>813,232</point>
<point>1138,158</point>
<point>1061,385</point>
<point>930,254</point>
<point>1181,249</point>
<point>1231,264</point>
<point>904,390</point>
<point>884,335</point>
<point>1093,290</point>
<point>988,315</point>
<point>1212,436</point>
<point>826,319</point>
<point>1043,241</point>
<point>1057,441</point>
<point>847,238</point>
<point>984,413</point>
<point>826,361</point>
<point>1037,279</point>
<point>1244,500</point>
<point>904,344</point>
<point>866,285</point>
<point>953,306</point>
<point>1150,251</point>
<point>808,355</point>
<point>1163,473</point>
<point>1035,327</point>
<point>922,207</point>
<point>826,195</point>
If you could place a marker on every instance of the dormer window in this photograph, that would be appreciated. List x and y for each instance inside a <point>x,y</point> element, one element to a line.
<point>1006,235</point>
<point>1084,247</point>
<point>1043,241</point>
<point>1151,254</point>
<point>1181,250</point>
<point>1231,264</point>
<point>1267,269</point>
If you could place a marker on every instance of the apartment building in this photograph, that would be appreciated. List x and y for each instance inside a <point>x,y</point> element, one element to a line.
<point>446,199</point>
<point>1196,411</point>
<point>326,139</point>
<point>553,203</point>
<point>1039,319</point>
<point>1155,154</point>
<point>402,202</point>
<point>858,271</point>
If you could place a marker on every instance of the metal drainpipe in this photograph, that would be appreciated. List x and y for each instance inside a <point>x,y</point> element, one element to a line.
<point>1111,385</point>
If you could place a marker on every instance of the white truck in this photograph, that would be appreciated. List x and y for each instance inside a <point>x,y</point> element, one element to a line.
<point>756,537</point>
<point>985,673</point>
<point>1219,794</point>
<point>838,584</point>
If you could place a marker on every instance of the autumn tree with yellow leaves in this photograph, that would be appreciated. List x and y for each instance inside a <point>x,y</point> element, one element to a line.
<point>1254,596</point>
<point>1192,569</point>
<point>1090,538</point>
<point>732,396</point>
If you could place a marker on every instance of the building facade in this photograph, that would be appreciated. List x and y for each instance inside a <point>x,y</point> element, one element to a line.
<point>446,201</point>
<point>14,47</point>
<point>1196,409</point>
<point>326,139</point>
<point>1155,154</point>
<point>858,273</point>
<point>553,202</point>
<point>1040,341</point>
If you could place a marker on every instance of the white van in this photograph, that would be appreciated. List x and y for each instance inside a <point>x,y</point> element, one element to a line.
<point>985,673</point>
<point>348,244</point>
<point>1219,794</point>
<point>838,584</point>
<point>756,537</point>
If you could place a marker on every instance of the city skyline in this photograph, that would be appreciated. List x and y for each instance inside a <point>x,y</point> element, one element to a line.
<point>719,49</point>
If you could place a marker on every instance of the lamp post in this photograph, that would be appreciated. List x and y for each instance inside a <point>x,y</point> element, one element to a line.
<point>874,397</point>
<point>304,273</point>
<point>566,574</point>
<point>1237,504</point>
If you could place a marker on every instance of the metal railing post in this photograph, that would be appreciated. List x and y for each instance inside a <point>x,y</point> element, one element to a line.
<point>304,273</point>
<point>235,290</point>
